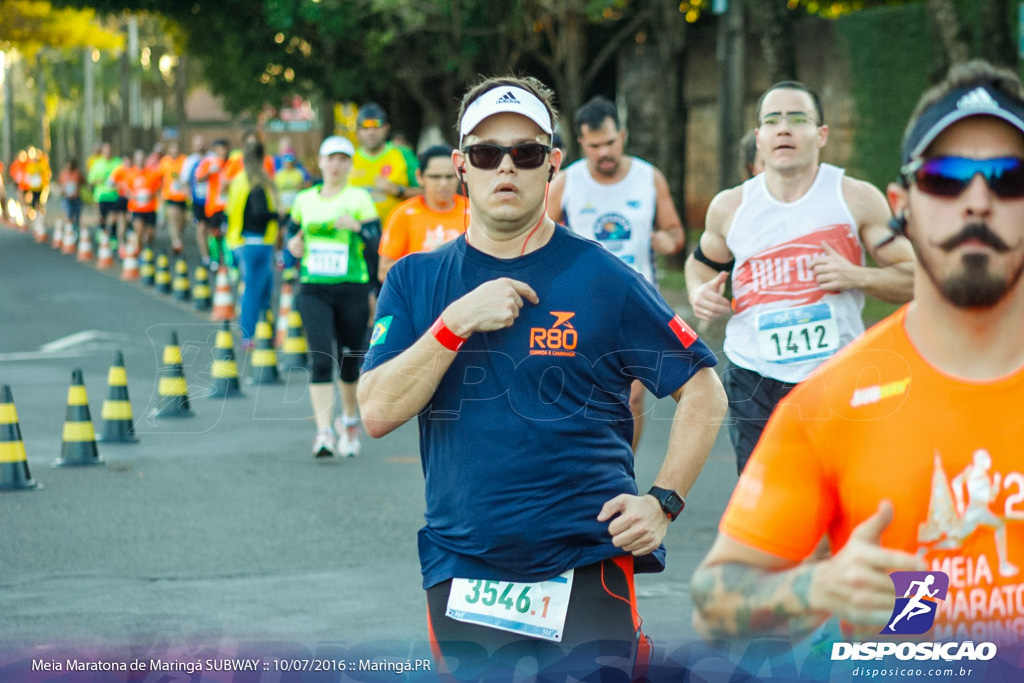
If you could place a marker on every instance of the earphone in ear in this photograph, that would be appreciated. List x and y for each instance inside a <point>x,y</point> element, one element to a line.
<point>462,174</point>
<point>551,173</point>
<point>898,223</point>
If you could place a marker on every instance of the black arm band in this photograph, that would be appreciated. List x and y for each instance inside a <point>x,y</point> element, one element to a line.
<point>721,267</point>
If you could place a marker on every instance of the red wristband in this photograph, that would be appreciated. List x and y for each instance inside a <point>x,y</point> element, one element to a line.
<point>448,339</point>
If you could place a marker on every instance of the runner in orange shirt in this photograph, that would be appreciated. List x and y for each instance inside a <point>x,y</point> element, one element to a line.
<point>143,192</point>
<point>904,449</point>
<point>426,222</point>
<point>174,194</point>
<point>209,172</point>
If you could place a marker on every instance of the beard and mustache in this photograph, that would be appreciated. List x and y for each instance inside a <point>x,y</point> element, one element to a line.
<point>974,286</point>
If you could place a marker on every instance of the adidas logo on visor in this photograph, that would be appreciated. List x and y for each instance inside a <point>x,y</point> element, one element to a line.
<point>977,99</point>
<point>508,98</point>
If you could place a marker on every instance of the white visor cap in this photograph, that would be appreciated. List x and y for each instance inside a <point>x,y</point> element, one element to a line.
<point>504,99</point>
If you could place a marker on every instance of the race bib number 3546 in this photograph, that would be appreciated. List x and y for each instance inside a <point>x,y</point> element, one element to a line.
<point>532,609</point>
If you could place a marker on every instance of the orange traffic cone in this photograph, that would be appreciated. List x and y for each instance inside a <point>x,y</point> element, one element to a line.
<point>39,230</point>
<point>58,235</point>
<point>85,246</point>
<point>202,298</point>
<point>223,302</point>
<point>172,389</point>
<point>79,447</point>
<point>130,264</point>
<point>284,308</point>
<point>263,358</point>
<point>104,256</point>
<point>70,242</point>
<point>147,271</point>
<point>118,425</point>
<point>180,286</point>
<point>294,351</point>
<point>224,369</point>
<point>14,472</point>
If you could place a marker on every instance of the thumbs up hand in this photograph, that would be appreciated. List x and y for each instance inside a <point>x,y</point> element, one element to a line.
<point>708,301</point>
<point>854,584</point>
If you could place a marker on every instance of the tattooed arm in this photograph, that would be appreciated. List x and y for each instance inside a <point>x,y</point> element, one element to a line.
<point>740,591</point>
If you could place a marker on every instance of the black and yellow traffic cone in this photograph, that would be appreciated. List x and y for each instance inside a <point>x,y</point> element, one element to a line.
<point>263,358</point>
<point>14,472</point>
<point>147,271</point>
<point>180,286</point>
<point>202,295</point>
<point>79,447</point>
<point>294,351</point>
<point>118,425</point>
<point>162,279</point>
<point>172,389</point>
<point>224,369</point>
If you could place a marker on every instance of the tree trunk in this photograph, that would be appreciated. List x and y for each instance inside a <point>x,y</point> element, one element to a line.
<point>948,36</point>
<point>997,31</point>
<point>670,36</point>
<point>773,20</point>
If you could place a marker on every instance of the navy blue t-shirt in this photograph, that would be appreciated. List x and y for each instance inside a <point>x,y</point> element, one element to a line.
<point>529,431</point>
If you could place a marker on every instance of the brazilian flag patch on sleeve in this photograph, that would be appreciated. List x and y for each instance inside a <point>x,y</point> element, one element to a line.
<point>380,330</point>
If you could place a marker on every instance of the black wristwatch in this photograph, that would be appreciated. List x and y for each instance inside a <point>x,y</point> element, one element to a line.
<point>671,502</point>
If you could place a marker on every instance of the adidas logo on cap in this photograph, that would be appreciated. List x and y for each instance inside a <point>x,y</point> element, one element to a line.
<point>508,98</point>
<point>977,99</point>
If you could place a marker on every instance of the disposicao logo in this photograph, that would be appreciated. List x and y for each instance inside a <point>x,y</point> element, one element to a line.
<point>917,596</point>
<point>914,612</point>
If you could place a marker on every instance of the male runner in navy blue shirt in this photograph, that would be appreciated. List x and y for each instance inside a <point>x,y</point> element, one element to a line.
<point>515,346</point>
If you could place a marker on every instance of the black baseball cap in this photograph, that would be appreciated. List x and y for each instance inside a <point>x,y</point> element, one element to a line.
<point>371,112</point>
<point>974,100</point>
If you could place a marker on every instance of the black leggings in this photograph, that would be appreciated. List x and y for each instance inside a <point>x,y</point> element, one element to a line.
<point>335,313</point>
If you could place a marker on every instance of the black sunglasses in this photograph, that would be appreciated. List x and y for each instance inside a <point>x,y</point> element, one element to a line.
<point>525,155</point>
<point>949,176</point>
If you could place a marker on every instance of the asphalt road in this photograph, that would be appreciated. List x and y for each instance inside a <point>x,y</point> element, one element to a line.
<point>219,535</point>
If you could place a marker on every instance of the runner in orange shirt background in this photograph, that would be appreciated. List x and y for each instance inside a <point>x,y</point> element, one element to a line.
<point>174,194</point>
<point>143,183</point>
<point>425,222</point>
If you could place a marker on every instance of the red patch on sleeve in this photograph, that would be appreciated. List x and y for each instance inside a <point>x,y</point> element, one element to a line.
<point>685,333</point>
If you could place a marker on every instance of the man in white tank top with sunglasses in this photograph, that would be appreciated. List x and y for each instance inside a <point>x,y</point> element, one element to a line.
<point>792,242</point>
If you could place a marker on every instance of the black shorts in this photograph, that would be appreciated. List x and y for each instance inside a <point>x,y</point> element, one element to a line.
<point>31,198</point>
<point>107,208</point>
<point>602,630</point>
<point>145,217</point>
<point>752,398</point>
<point>122,204</point>
<point>199,211</point>
<point>180,203</point>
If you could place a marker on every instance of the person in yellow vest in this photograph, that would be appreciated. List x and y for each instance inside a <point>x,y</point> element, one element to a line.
<point>252,234</point>
<point>379,167</point>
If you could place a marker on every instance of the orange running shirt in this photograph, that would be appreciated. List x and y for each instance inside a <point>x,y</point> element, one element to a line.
<point>208,171</point>
<point>413,226</point>
<point>879,422</point>
<point>144,189</point>
<point>174,188</point>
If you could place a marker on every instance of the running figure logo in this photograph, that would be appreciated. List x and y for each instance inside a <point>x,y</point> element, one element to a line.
<point>914,613</point>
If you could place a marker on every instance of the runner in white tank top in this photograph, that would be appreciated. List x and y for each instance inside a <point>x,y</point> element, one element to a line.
<point>793,240</point>
<point>621,201</point>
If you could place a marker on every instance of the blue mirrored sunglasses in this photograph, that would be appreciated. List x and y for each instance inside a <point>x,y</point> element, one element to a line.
<point>949,176</point>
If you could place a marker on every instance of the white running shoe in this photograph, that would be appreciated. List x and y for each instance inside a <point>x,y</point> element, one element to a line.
<point>348,439</point>
<point>323,444</point>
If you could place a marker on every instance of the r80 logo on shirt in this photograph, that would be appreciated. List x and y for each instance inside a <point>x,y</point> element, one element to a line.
<point>558,340</point>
